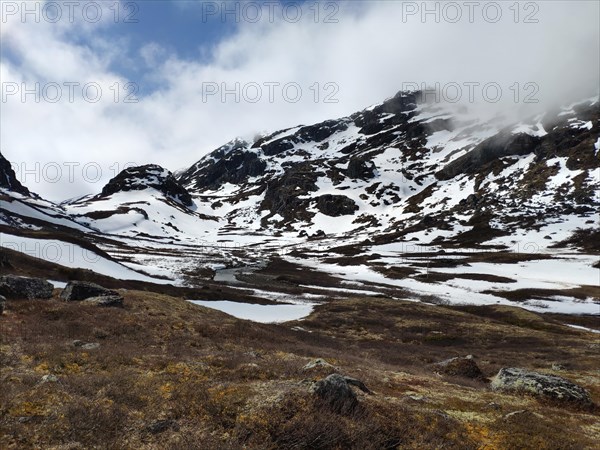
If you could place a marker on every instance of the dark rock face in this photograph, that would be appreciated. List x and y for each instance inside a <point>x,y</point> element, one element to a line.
<point>14,287</point>
<point>336,205</point>
<point>400,103</point>
<point>108,300</point>
<point>360,168</point>
<point>81,290</point>
<point>8,179</point>
<point>278,146</point>
<point>232,163</point>
<point>148,176</point>
<point>281,196</point>
<point>321,131</point>
<point>549,386</point>
<point>503,144</point>
<point>460,367</point>
<point>337,393</point>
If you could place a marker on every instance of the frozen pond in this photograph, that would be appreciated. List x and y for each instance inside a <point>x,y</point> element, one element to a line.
<point>259,313</point>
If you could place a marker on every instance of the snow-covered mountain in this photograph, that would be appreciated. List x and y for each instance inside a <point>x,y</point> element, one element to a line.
<point>410,170</point>
<point>404,196</point>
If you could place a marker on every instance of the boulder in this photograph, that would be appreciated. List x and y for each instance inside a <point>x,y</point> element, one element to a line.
<point>80,290</point>
<point>50,378</point>
<point>460,367</point>
<point>110,300</point>
<point>337,393</point>
<point>318,363</point>
<point>85,346</point>
<point>547,386</point>
<point>14,287</point>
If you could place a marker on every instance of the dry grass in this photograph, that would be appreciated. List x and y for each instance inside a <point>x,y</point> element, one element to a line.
<point>168,374</point>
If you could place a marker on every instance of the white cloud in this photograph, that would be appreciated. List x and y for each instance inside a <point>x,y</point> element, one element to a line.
<point>368,54</point>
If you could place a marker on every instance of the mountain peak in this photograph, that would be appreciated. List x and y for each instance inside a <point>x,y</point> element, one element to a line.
<point>148,176</point>
<point>8,178</point>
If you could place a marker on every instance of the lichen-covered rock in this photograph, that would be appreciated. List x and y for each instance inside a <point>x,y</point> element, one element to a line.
<point>542,385</point>
<point>337,393</point>
<point>318,363</point>
<point>110,300</point>
<point>76,291</point>
<point>14,287</point>
<point>460,367</point>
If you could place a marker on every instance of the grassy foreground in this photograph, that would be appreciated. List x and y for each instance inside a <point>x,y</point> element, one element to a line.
<point>164,374</point>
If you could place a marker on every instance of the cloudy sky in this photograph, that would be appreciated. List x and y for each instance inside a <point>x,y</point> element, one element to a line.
<point>91,87</point>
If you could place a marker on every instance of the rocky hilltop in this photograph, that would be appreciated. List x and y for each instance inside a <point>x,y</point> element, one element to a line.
<point>145,177</point>
<point>8,179</point>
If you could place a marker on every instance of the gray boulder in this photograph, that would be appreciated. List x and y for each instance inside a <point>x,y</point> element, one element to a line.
<point>109,300</point>
<point>337,393</point>
<point>76,291</point>
<point>50,378</point>
<point>548,386</point>
<point>318,363</point>
<point>85,346</point>
<point>14,287</point>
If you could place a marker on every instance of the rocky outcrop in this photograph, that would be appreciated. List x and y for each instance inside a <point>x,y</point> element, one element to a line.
<point>359,168</point>
<point>278,146</point>
<point>14,287</point>
<point>336,205</point>
<point>460,367</point>
<point>232,163</point>
<point>76,291</point>
<point>541,385</point>
<point>336,391</point>
<point>501,145</point>
<point>148,176</point>
<point>282,194</point>
<point>8,179</point>
<point>321,131</point>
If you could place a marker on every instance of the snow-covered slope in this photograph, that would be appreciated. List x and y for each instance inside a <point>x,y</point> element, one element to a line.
<point>145,202</point>
<point>410,170</point>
